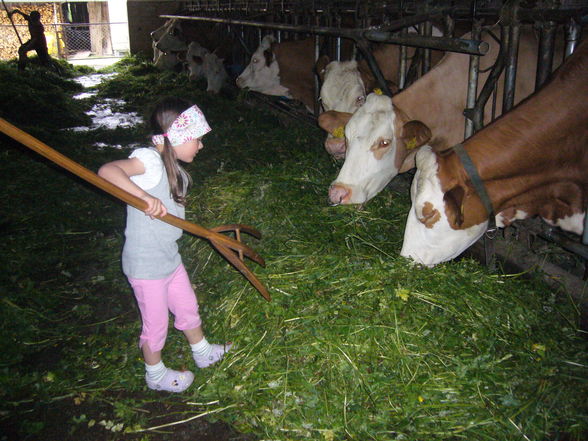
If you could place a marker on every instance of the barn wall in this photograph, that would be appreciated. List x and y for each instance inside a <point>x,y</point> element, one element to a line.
<point>9,43</point>
<point>143,19</point>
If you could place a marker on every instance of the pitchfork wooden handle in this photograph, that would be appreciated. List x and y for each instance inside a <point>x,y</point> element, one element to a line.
<point>222,243</point>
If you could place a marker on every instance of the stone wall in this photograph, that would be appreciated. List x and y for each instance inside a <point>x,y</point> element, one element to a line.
<point>144,19</point>
<point>9,43</point>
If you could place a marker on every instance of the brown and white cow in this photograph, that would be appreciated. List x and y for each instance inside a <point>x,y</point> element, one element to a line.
<point>174,48</point>
<point>346,84</point>
<point>282,69</point>
<point>377,146</point>
<point>215,72</point>
<point>169,46</point>
<point>533,162</point>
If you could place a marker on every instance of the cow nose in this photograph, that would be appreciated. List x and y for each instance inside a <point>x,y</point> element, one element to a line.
<point>338,194</point>
<point>239,82</point>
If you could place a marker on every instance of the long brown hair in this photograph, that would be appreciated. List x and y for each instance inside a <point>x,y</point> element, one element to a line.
<point>164,114</point>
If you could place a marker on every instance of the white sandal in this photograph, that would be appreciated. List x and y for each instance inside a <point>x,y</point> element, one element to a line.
<point>172,381</point>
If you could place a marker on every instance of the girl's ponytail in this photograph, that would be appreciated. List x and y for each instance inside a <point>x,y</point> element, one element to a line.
<point>166,111</point>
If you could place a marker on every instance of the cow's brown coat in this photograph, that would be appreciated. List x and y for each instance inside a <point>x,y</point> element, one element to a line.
<point>533,159</point>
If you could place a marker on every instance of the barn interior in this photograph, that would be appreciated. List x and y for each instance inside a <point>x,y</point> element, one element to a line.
<point>357,342</point>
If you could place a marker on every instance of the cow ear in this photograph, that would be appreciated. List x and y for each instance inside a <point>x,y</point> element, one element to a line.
<point>333,121</point>
<point>409,161</point>
<point>268,55</point>
<point>321,65</point>
<point>267,41</point>
<point>415,134</point>
<point>454,205</point>
<point>393,87</point>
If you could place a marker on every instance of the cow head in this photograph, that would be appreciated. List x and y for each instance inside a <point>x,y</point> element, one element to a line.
<point>214,71</point>
<point>432,235</point>
<point>195,59</point>
<point>381,142</point>
<point>262,74</point>
<point>342,90</point>
<point>158,33</point>
<point>170,38</point>
<point>169,46</point>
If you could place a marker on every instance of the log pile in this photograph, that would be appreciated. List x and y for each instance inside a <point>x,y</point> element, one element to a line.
<point>9,43</point>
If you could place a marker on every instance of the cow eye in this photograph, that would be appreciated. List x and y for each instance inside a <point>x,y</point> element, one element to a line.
<point>254,60</point>
<point>384,143</point>
<point>360,100</point>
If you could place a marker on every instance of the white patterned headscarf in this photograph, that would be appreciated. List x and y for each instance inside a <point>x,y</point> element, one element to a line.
<point>189,125</point>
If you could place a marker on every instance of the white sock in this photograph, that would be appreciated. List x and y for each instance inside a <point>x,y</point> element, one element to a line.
<point>201,349</point>
<point>155,372</point>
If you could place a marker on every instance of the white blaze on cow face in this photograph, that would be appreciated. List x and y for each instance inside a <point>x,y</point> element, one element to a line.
<point>260,76</point>
<point>214,71</point>
<point>195,59</point>
<point>371,151</point>
<point>343,89</point>
<point>428,237</point>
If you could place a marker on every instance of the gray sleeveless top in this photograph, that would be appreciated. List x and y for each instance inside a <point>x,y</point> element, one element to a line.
<point>151,250</point>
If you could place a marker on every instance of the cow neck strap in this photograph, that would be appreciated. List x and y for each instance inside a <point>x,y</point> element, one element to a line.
<point>477,182</point>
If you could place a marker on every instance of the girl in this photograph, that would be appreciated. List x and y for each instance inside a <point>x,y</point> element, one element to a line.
<point>150,257</point>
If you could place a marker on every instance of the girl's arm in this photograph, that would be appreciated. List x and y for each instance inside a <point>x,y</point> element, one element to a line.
<point>119,173</point>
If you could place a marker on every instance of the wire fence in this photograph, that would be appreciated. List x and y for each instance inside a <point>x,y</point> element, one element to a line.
<point>65,40</point>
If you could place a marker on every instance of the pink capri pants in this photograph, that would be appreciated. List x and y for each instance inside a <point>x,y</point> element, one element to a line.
<point>156,297</point>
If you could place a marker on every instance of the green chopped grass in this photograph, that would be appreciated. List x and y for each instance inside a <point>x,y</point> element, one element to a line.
<point>357,343</point>
<point>361,344</point>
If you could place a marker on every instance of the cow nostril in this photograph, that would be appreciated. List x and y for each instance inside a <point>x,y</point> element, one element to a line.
<point>338,194</point>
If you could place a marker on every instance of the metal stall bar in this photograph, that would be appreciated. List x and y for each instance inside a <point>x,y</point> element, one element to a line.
<point>546,48</point>
<point>472,47</point>
<point>403,63</point>
<point>427,31</point>
<point>360,36</point>
<point>473,82</point>
<point>573,31</point>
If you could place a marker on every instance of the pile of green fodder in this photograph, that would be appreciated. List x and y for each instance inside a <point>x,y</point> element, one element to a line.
<point>359,343</point>
<point>39,98</point>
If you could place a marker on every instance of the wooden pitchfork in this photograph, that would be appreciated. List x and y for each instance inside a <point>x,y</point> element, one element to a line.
<point>233,250</point>
<point>12,22</point>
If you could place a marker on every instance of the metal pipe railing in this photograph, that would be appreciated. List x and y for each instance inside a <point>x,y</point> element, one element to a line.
<point>473,82</point>
<point>382,34</point>
<point>572,32</point>
<point>546,49</point>
<point>511,15</point>
<point>514,31</point>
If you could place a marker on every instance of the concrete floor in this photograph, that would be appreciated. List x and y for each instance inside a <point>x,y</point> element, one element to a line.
<point>86,59</point>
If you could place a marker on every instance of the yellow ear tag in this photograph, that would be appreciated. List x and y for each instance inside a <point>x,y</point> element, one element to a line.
<point>411,144</point>
<point>339,132</point>
<point>378,91</point>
